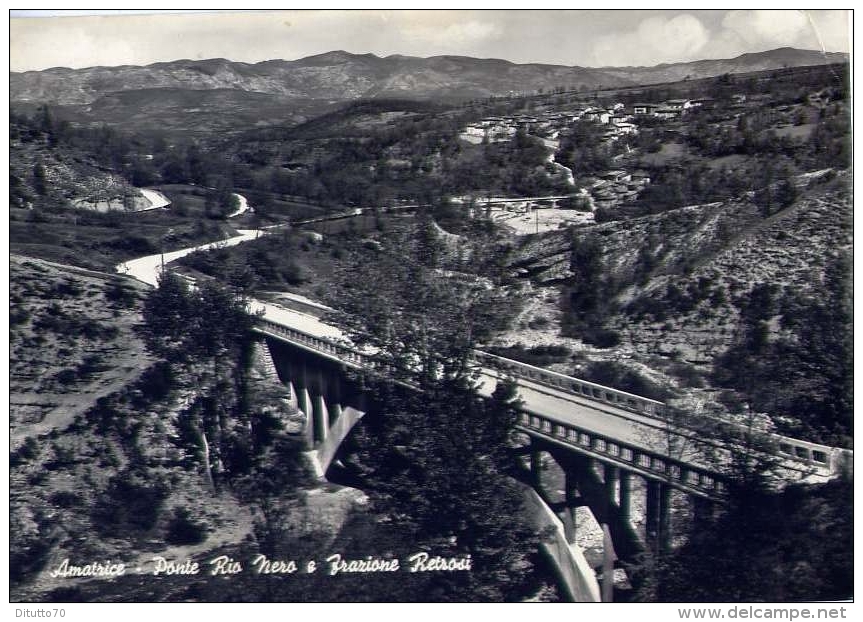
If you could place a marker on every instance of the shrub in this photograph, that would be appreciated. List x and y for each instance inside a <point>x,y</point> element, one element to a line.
<point>132,244</point>
<point>27,451</point>
<point>65,288</point>
<point>181,529</point>
<point>294,274</point>
<point>690,376</point>
<point>620,377</point>
<point>91,364</point>
<point>18,316</point>
<point>117,293</point>
<point>130,503</point>
<point>156,382</point>
<point>540,322</point>
<point>66,376</point>
<point>65,499</point>
<point>601,337</point>
<point>537,355</point>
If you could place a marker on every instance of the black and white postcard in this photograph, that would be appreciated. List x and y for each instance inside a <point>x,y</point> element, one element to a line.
<point>403,306</point>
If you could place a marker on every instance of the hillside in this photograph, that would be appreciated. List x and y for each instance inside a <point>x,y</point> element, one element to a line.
<point>96,471</point>
<point>330,76</point>
<point>104,464</point>
<point>343,76</point>
<point>172,109</point>
<point>684,290</point>
<point>72,341</point>
<point>745,63</point>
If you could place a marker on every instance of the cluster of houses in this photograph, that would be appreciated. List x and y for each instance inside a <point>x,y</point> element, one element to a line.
<point>608,189</point>
<point>613,188</point>
<point>620,120</point>
<point>670,109</point>
<point>549,125</point>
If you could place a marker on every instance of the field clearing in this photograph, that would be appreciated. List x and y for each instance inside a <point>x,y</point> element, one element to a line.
<point>541,220</point>
<point>796,131</point>
<point>668,152</point>
<point>729,161</point>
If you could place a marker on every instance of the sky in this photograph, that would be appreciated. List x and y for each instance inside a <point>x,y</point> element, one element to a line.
<point>591,38</point>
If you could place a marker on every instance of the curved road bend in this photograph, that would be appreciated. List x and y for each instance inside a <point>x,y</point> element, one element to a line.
<point>607,420</point>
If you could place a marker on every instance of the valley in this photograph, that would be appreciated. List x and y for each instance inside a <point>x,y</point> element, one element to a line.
<point>680,233</point>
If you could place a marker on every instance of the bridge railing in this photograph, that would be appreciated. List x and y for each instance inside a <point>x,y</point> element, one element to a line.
<point>333,349</point>
<point>574,386</point>
<point>822,458</point>
<point>679,474</point>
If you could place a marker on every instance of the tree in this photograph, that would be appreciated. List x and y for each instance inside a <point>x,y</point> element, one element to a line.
<point>766,546</point>
<point>44,120</point>
<point>166,312</point>
<point>434,454</point>
<point>815,380</point>
<point>206,331</point>
<point>769,540</point>
<point>39,179</point>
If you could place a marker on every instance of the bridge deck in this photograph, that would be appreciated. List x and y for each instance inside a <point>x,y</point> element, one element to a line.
<point>626,427</point>
<point>601,412</point>
<point>297,320</point>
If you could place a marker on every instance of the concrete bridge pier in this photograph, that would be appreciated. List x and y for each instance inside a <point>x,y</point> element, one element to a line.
<point>665,531</point>
<point>651,514</point>
<point>658,517</point>
<point>321,411</point>
<point>305,401</point>
<point>625,496</point>
<point>702,509</point>
<point>611,476</point>
<point>572,501</point>
<point>536,465</point>
<point>333,391</point>
<point>328,397</point>
<point>595,487</point>
<point>292,390</point>
<point>320,417</point>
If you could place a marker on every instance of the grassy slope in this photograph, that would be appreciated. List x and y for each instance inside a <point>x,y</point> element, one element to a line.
<point>70,343</point>
<point>75,432</point>
<point>726,248</point>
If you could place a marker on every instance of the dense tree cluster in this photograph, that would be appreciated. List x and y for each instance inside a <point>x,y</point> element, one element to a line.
<point>206,333</point>
<point>589,293</point>
<point>434,454</point>
<point>804,372</point>
<point>765,546</point>
<point>582,150</point>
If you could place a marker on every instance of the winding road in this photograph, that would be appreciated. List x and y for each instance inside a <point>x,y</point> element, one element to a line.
<point>147,269</point>
<point>540,395</point>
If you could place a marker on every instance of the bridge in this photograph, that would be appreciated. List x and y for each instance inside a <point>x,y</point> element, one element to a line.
<point>602,438</point>
<point>610,444</point>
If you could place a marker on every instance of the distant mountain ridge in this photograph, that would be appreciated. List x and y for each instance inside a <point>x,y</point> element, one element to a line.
<point>342,76</point>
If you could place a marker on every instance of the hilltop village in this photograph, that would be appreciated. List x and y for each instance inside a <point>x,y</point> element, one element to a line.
<point>602,189</point>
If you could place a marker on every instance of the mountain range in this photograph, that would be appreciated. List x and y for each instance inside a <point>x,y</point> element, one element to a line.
<point>342,76</point>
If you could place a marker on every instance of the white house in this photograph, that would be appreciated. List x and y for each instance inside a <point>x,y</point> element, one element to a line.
<point>678,104</point>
